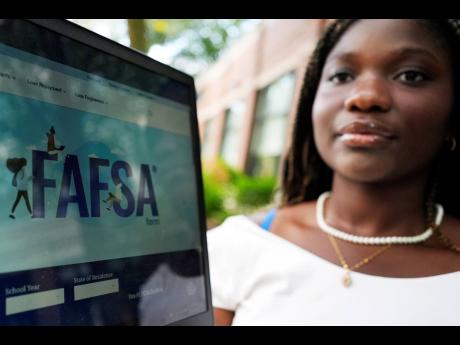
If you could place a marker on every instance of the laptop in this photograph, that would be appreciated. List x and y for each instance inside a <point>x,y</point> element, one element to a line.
<point>101,193</point>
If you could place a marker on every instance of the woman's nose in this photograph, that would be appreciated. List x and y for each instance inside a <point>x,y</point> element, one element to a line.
<point>369,96</point>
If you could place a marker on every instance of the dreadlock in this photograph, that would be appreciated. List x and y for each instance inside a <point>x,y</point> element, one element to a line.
<point>305,175</point>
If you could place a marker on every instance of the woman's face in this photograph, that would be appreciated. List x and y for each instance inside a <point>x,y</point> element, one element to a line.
<point>383,102</point>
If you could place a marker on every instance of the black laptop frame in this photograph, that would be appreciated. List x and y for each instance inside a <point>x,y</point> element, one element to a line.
<point>93,40</point>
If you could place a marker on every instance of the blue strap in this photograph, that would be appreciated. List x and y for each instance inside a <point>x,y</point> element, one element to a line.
<point>268,219</point>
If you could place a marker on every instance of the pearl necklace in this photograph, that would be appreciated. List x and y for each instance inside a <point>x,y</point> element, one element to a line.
<point>372,240</point>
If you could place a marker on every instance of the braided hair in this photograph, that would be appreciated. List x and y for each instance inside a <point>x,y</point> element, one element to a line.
<point>305,175</point>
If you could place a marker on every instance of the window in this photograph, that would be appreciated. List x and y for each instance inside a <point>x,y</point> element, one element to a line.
<point>230,149</point>
<point>270,127</point>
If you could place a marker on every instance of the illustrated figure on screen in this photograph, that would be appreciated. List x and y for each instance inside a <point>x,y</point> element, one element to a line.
<point>113,197</point>
<point>20,180</point>
<point>52,149</point>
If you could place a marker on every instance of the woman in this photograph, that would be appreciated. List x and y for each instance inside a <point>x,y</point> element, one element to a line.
<point>21,182</point>
<point>371,204</point>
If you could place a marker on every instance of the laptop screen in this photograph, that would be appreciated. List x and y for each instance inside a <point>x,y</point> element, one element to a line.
<point>102,209</point>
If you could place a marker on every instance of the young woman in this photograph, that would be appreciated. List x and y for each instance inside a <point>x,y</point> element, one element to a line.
<point>22,181</point>
<point>367,228</point>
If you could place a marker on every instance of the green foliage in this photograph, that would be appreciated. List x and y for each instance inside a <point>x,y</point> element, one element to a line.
<point>228,192</point>
<point>214,196</point>
<point>253,191</point>
<point>161,31</point>
<point>200,41</point>
<point>208,38</point>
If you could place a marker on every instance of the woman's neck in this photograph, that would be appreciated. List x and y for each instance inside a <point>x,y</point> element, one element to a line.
<point>385,209</point>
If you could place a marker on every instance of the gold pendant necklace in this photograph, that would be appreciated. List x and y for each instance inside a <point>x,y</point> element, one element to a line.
<point>346,279</point>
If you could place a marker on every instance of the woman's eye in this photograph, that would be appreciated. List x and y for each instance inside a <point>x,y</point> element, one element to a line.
<point>412,77</point>
<point>341,77</point>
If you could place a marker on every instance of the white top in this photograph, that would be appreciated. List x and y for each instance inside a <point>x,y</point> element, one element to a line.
<point>22,180</point>
<point>268,280</point>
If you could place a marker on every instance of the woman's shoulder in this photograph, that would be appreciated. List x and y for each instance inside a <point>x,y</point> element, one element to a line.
<point>298,217</point>
<point>244,237</point>
<point>234,230</point>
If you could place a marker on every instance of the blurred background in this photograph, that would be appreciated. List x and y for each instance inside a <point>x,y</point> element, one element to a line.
<point>248,74</point>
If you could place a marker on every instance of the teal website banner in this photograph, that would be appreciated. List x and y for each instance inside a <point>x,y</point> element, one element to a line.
<point>98,187</point>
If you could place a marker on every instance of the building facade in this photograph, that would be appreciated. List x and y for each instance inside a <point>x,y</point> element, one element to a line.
<point>247,100</point>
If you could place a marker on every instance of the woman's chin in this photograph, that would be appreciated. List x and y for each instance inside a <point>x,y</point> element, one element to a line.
<point>366,170</point>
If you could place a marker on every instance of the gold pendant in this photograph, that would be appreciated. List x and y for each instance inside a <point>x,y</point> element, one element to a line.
<point>346,280</point>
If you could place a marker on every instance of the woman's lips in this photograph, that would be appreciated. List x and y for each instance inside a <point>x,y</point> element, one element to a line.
<point>374,141</point>
<point>366,134</point>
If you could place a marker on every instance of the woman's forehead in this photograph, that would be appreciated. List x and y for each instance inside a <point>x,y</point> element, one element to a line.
<point>393,35</point>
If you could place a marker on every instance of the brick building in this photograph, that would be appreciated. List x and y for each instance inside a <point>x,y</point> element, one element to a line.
<point>246,101</point>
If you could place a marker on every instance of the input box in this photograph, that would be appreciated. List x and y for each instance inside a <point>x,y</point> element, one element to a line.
<point>90,290</point>
<point>33,301</point>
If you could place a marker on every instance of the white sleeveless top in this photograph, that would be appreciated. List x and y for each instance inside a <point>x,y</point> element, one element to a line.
<point>268,280</point>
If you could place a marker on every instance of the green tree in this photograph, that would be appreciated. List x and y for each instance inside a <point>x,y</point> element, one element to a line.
<point>200,40</point>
